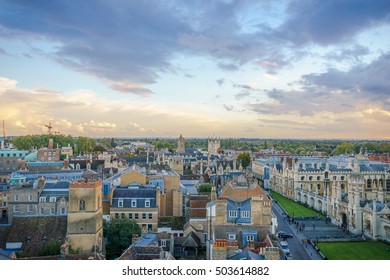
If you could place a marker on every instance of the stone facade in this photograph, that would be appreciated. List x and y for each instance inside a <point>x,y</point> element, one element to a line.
<point>344,188</point>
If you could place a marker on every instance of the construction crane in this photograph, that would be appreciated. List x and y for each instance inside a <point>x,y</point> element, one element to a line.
<point>49,127</point>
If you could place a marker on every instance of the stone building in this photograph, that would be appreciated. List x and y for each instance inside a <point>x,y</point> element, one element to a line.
<point>85,223</point>
<point>354,193</point>
<point>214,146</point>
<point>181,145</point>
<point>138,203</point>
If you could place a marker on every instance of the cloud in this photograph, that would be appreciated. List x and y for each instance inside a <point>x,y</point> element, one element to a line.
<point>228,107</point>
<point>242,94</point>
<point>333,21</point>
<point>136,89</point>
<point>220,82</point>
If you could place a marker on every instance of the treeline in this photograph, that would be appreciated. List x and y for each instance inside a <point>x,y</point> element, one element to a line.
<point>79,144</point>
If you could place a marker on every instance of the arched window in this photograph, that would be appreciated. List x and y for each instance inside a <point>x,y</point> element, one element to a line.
<point>369,184</point>
<point>318,178</point>
<point>342,178</point>
<point>302,178</point>
<point>82,205</point>
<point>342,187</point>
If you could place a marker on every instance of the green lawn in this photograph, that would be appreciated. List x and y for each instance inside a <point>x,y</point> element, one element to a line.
<point>292,208</point>
<point>370,250</point>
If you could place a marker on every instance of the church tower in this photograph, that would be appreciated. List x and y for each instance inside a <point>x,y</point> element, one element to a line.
<point>180,145</point>
<point>85,224</point>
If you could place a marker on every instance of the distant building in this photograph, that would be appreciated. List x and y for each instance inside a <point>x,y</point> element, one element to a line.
<point>10,160</point>
<point>180,145</point>
<point>50,153</point>
<point>214,146</point>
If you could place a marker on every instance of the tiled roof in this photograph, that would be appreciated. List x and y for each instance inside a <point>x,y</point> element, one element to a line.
<point>242,193</point>
<point>4,230</point>
<point>35,232</point>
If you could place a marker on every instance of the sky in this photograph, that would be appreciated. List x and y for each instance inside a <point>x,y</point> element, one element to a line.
<point>248,69</point>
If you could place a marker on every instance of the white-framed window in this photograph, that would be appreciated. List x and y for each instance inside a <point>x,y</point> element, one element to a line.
<point>232,236</point>
<point>245,214</point>
<point>147,203</point>
<point>232,213</point>
<point>16,197</point>
<point>120,203</point>
<point>133,203</point>
<point>29,208</point>
<point>42,199</point>
<point>163,243</point>
<point>150,216</point>
<point>52,211</point>
<point>16,208</point>
<point>29,197</point>
<point>250,238</point>
<point>63,210</point>
<point>53,199</point>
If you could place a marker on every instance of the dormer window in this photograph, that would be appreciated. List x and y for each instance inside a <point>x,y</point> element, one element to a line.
<point>53,199</point>
<point>120,203</point>
<point>133,203</point>
<point>147,203</point>
<point>42,199</point>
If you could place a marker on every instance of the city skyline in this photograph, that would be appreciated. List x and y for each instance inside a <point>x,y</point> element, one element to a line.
<point>240,69</point>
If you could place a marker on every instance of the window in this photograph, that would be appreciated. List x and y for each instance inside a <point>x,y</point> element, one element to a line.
<point>16,197</point>
<point>41,211</point>
<point>150,216</point>
<point>233,213</point>
<point>318,178</point>
<point>232,236</point>
<point>133,203</point>
<point>150,227</point>
<point>245,214</point>
<point>52,211</point>
<point>82,205</point>
<point>310,178</point>
<point>29,208</point>
<point>4,195</point>
<point>130,216</point>
<point>16,208</point>
<point>42,199</point>
<point>204,237</point>
<point>63,211</point>
<point>342,178</point>
<point>120,203</point>
<point>147,203</point>
<point>136,216</point>
<point>250,238</point>
<point>144,216</point>
<point>116,216</point>
<point>163,243</point>
<point>53,199</point>
<point>123,216</point>
<point>4,203</point>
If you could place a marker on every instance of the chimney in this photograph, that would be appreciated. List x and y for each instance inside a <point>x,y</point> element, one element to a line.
<point>50,144</point>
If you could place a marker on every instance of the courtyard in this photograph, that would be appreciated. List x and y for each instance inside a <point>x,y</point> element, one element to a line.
<point>365,250</point>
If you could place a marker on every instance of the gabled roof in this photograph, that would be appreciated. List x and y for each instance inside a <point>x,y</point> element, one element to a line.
<point>142,253</point>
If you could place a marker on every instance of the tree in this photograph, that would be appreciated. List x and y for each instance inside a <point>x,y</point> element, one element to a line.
<point>344,148</point>
<point>119,233</point>
<point>205,188</point>
<point>245,159</point>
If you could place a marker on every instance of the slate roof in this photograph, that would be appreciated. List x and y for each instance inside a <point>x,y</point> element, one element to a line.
<point>134,193</point>
<point>142,253</point>
<point>246,255</point>
<point>35,232</point>
<point>242,193</point>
